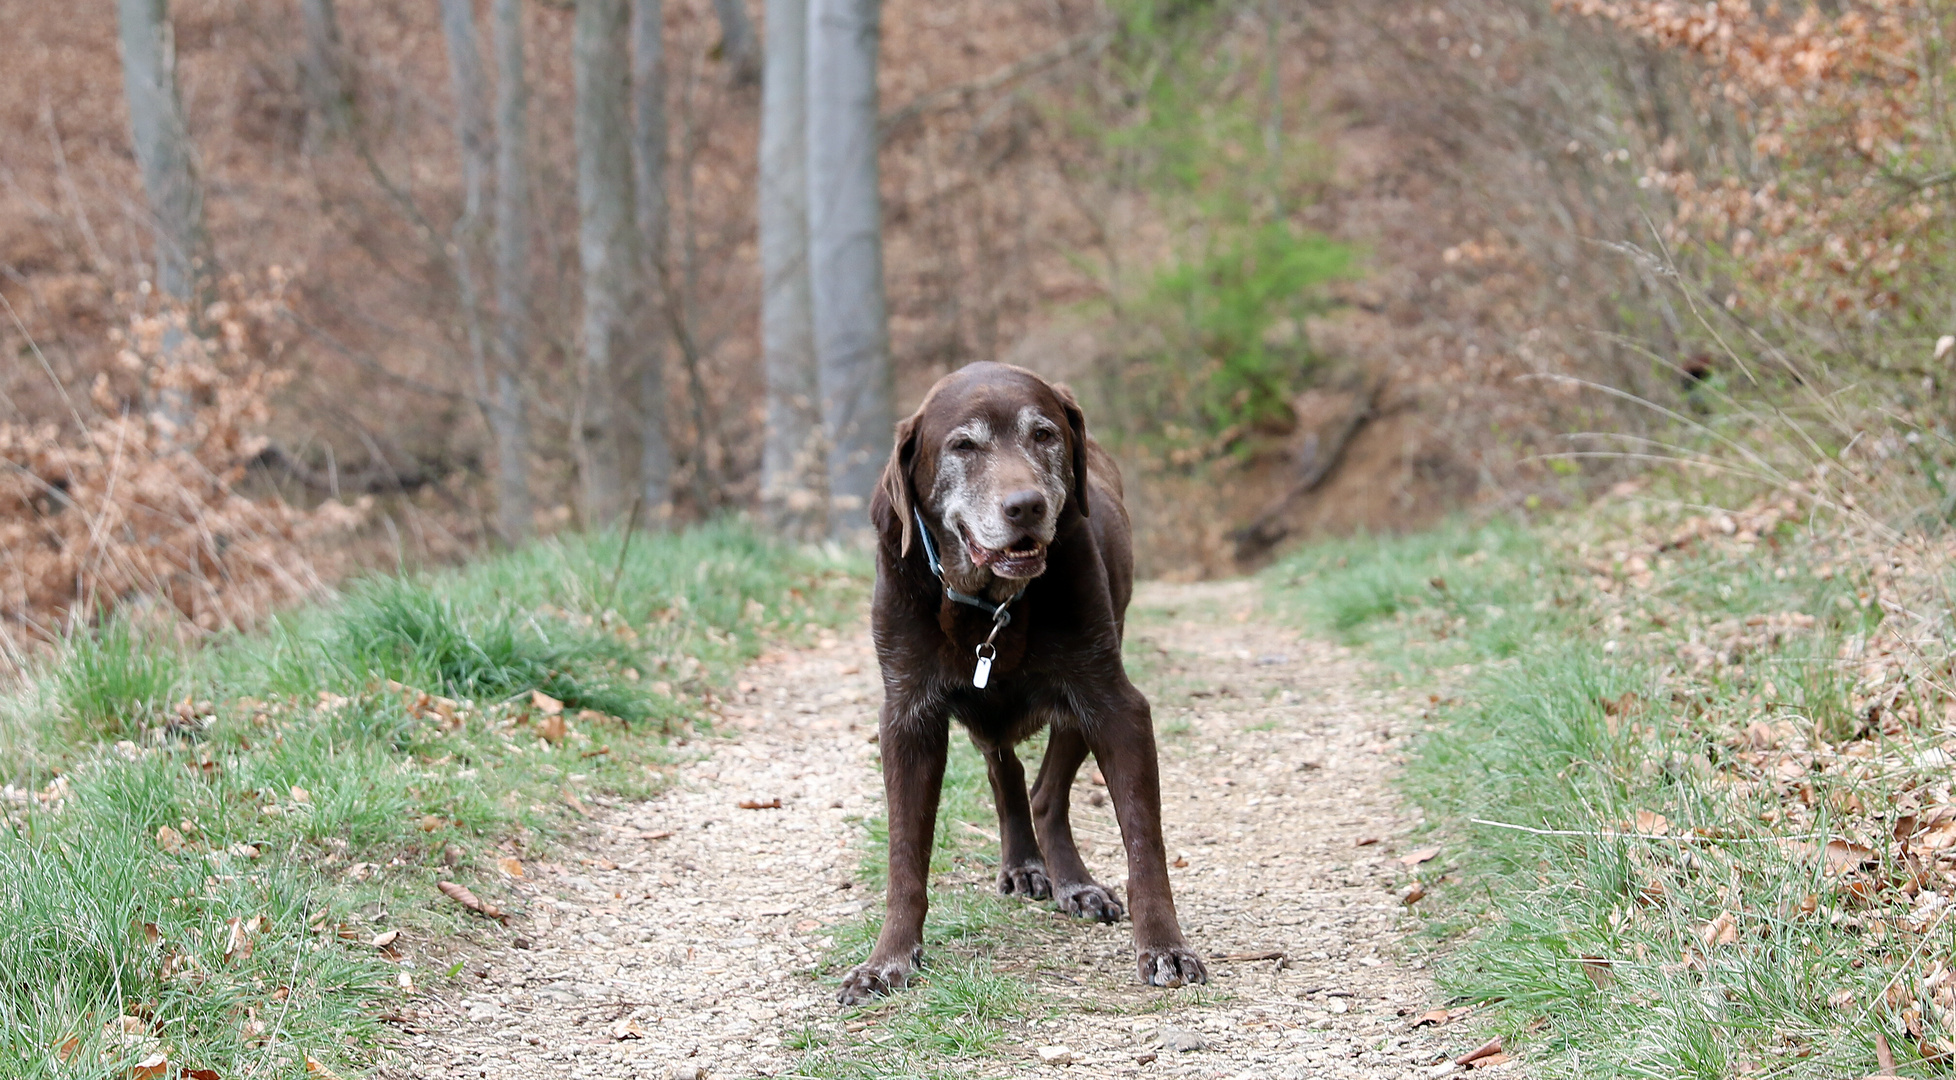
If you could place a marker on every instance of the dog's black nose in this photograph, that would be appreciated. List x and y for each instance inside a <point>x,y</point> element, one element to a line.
<point>1025,507</point>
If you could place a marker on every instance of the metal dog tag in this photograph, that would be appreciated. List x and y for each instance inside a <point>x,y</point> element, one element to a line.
<point>984,673</point>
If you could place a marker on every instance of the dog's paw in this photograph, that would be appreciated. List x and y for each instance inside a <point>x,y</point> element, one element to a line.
<point>866,981</point>
<point>1174,965</point>
<point>1028,880</point>
<point>1090,901</point>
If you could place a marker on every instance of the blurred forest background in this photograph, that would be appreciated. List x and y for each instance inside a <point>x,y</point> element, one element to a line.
<point>1313,266</point>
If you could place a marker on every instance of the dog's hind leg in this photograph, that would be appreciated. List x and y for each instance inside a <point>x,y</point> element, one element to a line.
<point>1020,870</point>
<point>1076,891</point>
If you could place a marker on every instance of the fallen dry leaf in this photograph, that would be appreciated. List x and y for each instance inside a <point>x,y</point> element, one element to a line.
<point>1599,971</point>
<point>239,935</point>
<point>124,1027</point>
<point>1436,1017</point>
<point>571,800</point>
<point>656,834</point>
<point>170,840</point>
<point>315,1067</point>
<point>1884,1056</point>
<point>1485,1050</point>
<point>151,1068</point>
<point>627,1029</point>
<point>1365,841</point>
<point>1413,893</point>
<point>1490,1061</point>
<point>546,704</point>
<point>1238,957</point>
<point>385,938</point>
<point>467,899</point>
<point>200,1074</point>
<point>66,1048</point>
<point>510,867</point>
<point>552,728</point>
<point>301,795</point>
<point>756,804</point>
<point>1414,858</point>
<point>1652,824</point>
<point>1723,930</point>
<point>1845,855</point>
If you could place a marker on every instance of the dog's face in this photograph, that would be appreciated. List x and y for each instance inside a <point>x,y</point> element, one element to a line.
<point>993,456</point>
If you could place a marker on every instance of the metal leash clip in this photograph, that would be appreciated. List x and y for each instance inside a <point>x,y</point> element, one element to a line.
<point>987,651</point>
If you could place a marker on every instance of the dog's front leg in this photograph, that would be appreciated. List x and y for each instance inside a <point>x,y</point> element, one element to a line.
<point>914,744</point>
<point>1123,742</point>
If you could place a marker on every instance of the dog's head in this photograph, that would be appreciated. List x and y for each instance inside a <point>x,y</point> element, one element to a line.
<point>995,456</point>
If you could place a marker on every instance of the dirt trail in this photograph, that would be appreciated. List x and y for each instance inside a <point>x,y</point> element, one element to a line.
<point>1277,756</point>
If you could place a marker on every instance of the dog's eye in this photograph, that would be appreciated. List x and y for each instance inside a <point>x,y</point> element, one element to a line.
<point>1044,434</point>
<point>964,445</point>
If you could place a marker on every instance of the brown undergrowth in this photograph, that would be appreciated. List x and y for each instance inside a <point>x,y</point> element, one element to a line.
<point>146,501</point>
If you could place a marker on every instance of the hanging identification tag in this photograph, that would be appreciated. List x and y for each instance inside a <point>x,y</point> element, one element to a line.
<point>983,674</point>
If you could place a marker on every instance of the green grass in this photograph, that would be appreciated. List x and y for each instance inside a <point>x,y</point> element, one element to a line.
<point>312,796</point>
<point>960,1006</point>
<point>1570,711</point>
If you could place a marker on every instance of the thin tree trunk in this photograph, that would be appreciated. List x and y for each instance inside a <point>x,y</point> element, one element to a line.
<point>649,154</point>
<point>608,249</point>
<point>845,244</point>
<point>737,44</point>
<point>469,89</point>
<point>163,153</point>
<point>510,417</point>
<point>323,77</point>
<point>164,156</point>
<point>794,487</point>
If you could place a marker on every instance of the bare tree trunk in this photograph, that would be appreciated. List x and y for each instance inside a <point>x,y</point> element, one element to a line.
<point>323,77</point>
<point>170,183</point>
<point>470,90</point>
<point>607,242</point>
<point>649,152</point>
<point>794,486</point>
<point>163,152</point>
<point>845,243</point>
<point>510,416</point>
<point>737,45</point>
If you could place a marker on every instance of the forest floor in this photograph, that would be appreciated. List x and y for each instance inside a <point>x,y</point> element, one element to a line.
<point>689,936</point>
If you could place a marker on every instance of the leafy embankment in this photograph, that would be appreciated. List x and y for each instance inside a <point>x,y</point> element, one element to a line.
<point>1694,773</point>
<point>226,859</point>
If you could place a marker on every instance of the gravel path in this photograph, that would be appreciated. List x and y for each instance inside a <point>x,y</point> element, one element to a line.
<point>673,943</point>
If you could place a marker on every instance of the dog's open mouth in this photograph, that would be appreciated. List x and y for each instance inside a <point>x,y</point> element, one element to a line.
<point>1022,558</point>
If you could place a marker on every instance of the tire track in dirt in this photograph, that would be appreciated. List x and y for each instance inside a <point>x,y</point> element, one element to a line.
<point>654,955</point>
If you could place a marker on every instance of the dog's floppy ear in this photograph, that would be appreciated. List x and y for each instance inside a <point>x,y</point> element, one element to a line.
<point>1077,421</point>
<point>897,484</point>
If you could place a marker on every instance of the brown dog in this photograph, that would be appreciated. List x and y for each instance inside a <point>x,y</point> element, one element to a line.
<point>1003,571</point>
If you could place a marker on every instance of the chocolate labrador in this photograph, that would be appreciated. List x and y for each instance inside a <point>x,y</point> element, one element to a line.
<point>1003,571</point>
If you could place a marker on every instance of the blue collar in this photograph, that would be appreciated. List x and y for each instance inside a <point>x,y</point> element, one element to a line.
<point>1000,616</point>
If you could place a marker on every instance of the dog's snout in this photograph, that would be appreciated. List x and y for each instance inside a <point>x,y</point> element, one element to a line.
<point>1024,507</point>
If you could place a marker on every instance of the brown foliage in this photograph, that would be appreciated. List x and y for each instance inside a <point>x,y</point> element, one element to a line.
<point>140,502</point>
<point>1838,207</point>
